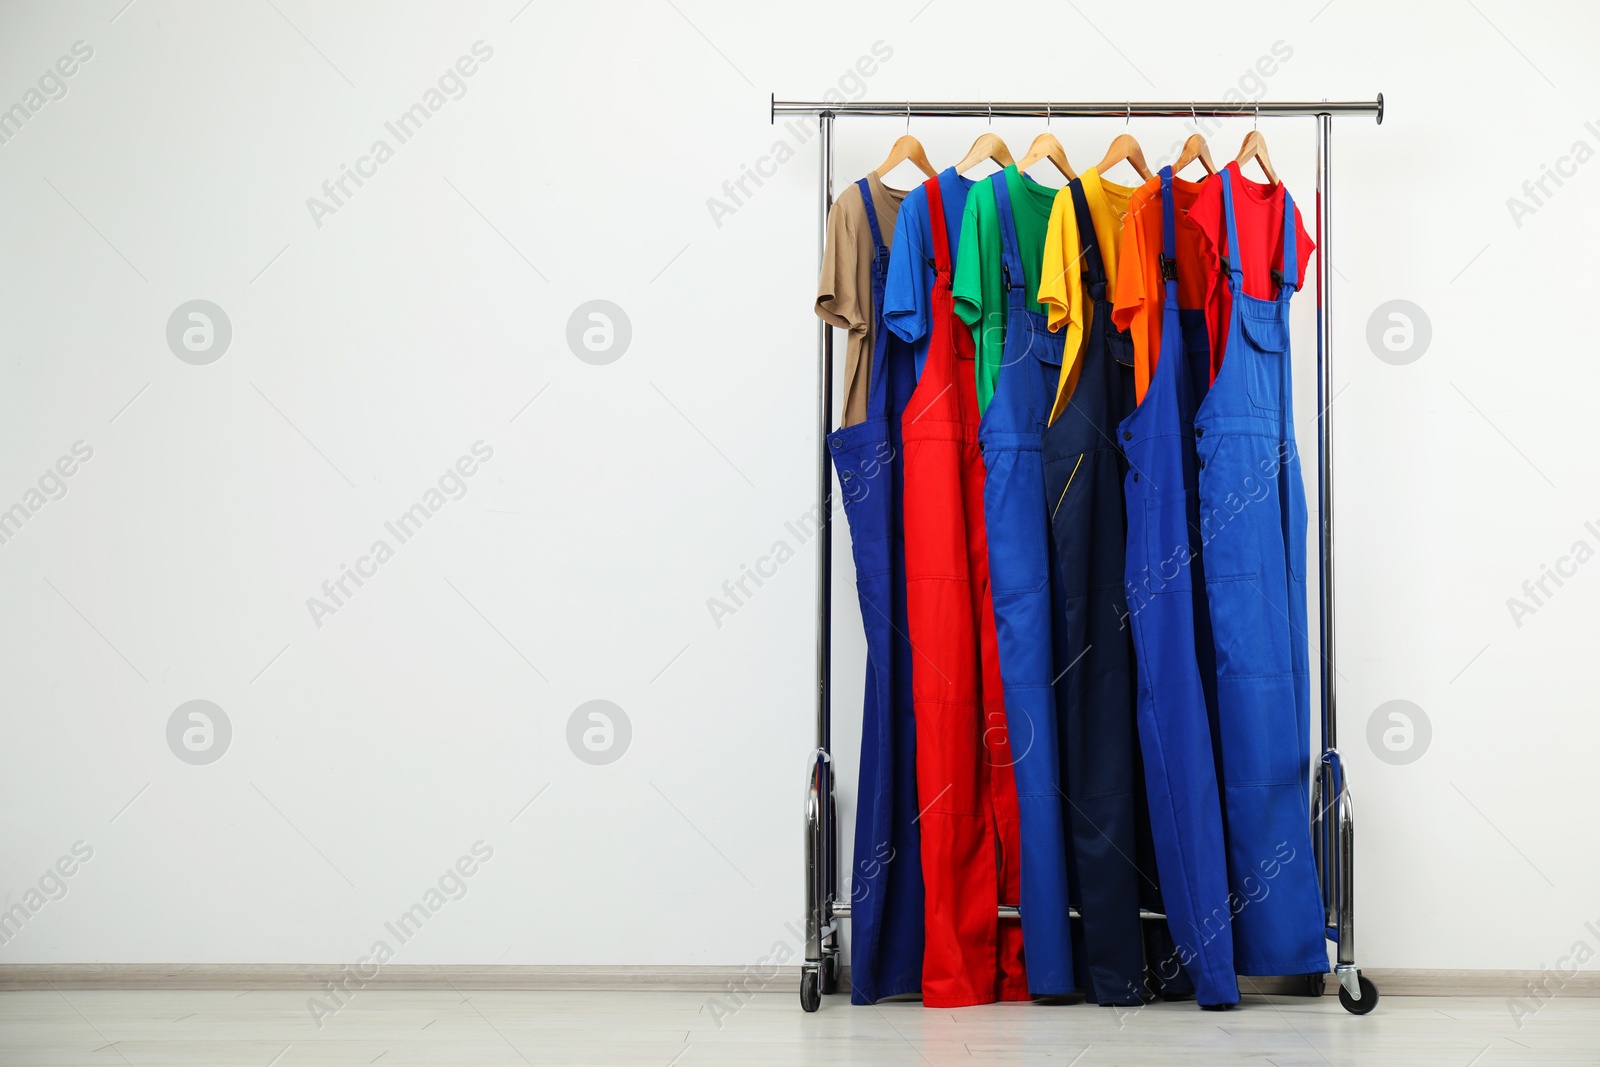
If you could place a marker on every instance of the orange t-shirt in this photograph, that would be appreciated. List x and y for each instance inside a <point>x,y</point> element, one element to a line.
<point>1141,290</point>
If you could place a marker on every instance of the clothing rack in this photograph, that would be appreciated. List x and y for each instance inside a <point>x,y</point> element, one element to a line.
<point>1333,838</point>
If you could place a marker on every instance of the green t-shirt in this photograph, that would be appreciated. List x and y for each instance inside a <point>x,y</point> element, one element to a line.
<point>979,285</point>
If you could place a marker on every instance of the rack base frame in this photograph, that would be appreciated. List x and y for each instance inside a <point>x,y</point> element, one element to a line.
<point>1332,808</point>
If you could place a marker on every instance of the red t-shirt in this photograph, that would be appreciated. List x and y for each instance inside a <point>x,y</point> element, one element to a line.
<point>1258,216</point>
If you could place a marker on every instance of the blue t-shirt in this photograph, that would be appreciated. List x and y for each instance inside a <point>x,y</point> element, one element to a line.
<point>908,294</point>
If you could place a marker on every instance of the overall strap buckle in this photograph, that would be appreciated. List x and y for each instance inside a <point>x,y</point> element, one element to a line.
<point>1005,275</point>
<point>1169,268</point>
<point>1277,278</point>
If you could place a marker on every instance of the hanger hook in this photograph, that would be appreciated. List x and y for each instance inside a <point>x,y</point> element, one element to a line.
<point>1047,115</point>
<point>991,112</point>
<point>1128,118</point>
<point>908,118</point>
<point>1194,114</point>
<point>1256,124</point>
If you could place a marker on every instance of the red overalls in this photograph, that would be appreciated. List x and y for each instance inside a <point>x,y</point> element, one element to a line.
<point>966,789</point>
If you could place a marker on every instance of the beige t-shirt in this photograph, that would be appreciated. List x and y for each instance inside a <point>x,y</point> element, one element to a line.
<point>844,293</point>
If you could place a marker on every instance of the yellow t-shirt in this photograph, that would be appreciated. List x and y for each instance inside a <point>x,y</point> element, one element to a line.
<point>1061,283</point>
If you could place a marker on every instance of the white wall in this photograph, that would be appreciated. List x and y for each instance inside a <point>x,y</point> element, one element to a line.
<point>370,752</point>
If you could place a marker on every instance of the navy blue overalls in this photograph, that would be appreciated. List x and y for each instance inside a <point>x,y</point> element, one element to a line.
<point>1253,522</point>
<point>1020,574</point>
<point>1172,643</point>
<point>886,883</point>
<point>1083,468</point>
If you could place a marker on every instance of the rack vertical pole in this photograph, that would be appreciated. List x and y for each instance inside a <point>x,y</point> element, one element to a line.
<point>1330,724</point>
<point>822,835</point>
<point>824,464</point>
<point>1335,816</point>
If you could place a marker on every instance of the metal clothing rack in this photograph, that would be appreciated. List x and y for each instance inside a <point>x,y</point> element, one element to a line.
<point>1333,820</point>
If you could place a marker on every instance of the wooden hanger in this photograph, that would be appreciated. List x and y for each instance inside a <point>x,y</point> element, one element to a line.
<point>1045,146</point>
<point>1255,147</point>
<point>987,146</point>
<point>906,148</point>
<point>1194,148</point>
<point>1124,147</point>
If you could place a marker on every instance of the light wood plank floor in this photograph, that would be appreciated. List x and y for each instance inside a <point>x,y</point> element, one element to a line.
<point>408,1028</point>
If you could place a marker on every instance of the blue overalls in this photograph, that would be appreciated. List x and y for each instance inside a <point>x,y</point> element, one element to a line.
<point>886,882</point>
<point>1083,468</point>
<point>1253,524</point>
<point>1172,643</point>
<point>1020,573</point>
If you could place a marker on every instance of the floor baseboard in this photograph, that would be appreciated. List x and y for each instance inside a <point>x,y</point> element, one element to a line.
<point>391,976</point>
<point>708,979</point>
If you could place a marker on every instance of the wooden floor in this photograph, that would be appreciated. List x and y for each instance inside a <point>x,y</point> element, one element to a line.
<point>481,1028</point>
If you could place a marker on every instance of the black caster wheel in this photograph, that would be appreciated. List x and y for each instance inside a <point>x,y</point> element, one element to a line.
<point>1369,996</point>
<point>1316,985</point>
<point>810,990</point>
<point>830,973</point>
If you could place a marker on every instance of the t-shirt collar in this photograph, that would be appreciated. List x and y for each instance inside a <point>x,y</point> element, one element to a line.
<point>883,196</point>
<point>1107,224</point>
<point>949,176</point>
<point>1258,192</point>
<point>1029,190</point>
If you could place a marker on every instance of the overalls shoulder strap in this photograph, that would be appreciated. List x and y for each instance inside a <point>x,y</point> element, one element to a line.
<point>880,251</point>
<point>1289,273</point>
<point>1169,239</point>
<point>878,374</point>
<point>1011,261</point>
<point>1232,259</point>
<point>941,239</point>
<point>1094,267</point>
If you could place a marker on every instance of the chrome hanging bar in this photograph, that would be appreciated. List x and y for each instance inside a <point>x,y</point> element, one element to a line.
<point>1110,109</point>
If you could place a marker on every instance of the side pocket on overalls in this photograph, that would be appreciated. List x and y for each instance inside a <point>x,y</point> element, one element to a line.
<point>1166,542</point>
<point>1293,483</point>
<point>1018,552</point>
<point>1228,489</point>
<point>865,479</point>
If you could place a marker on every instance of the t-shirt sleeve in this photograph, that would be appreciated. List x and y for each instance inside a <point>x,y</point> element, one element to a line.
<point>1060,254</point>
<point>907,294</point>
<point>1130,294</point>
<point>1061,293</point>
<point>967,284</point>
<point>839,300</point>
<point>1303,247</point>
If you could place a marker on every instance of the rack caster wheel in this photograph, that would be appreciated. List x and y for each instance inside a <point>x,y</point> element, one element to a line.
<point>810,989</point>
<point>1316,984</point>
<point>1369,996</point>
<point>830,972</point>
